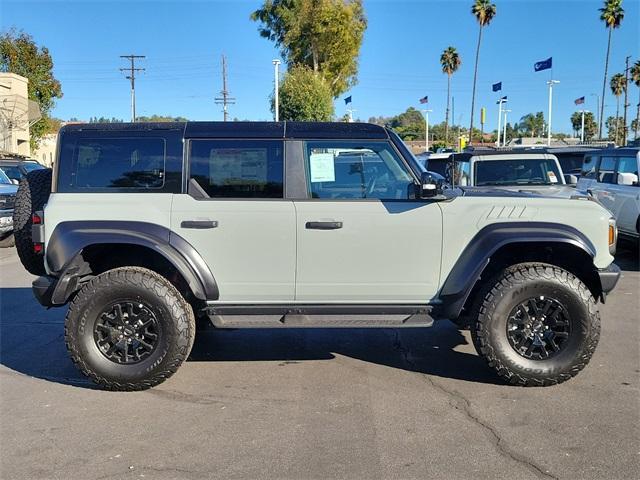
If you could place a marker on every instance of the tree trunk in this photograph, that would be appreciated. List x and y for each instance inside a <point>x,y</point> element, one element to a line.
<point>473,91</point>
<point>446,117</point>
<point>604,83</point>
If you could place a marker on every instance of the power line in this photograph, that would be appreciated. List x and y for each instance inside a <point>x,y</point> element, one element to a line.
<point>132,77</point>
<point>224,99</point>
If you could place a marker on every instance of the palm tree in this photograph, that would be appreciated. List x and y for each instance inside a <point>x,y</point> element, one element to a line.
<point>450,61</point>
<point>618,86</point>
<point>611,14</point>
<point>635,78</point>
<point>484,11</point>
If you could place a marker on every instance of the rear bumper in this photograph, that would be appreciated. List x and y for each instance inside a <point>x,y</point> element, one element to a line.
<point>609,277</point>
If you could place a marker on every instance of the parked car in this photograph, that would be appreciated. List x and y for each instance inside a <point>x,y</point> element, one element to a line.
<point>611,176</point>
<point>149,226</point>
<point>16,168</point>
<point>536,173</point>
<point>7,201</point>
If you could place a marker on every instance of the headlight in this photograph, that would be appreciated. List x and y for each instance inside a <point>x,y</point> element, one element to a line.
<point>613,235</point>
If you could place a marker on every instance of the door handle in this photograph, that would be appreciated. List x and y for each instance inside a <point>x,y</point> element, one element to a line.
<point>323,225</point>
<point>199,224</point>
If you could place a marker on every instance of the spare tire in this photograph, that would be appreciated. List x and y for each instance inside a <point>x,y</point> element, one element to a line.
<point>32,195</point>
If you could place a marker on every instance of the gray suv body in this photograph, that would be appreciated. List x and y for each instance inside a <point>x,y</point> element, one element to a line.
<point>148,227</point>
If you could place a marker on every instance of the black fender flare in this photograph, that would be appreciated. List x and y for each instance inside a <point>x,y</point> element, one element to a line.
<point>65,246</point>
<point>477,254</point>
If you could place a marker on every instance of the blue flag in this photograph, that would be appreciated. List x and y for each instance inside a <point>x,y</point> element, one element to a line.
<point>347,100</point>
<point>497,87</point>
<point>543,65</point>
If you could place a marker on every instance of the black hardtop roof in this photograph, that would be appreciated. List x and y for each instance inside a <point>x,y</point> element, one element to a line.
<point>618,151</point>
<point>256,130</point>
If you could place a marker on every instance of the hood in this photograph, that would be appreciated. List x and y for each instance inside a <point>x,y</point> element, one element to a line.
<point>555,191</point>
<point>493,192</point>
<point>8,189</point>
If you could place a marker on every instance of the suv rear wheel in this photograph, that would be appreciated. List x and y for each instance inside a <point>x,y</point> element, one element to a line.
<point>129,329</point>
<point>536,325</point>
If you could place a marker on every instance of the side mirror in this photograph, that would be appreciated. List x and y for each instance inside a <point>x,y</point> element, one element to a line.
<point>570,179</point>
<point>15,182</point>
<point>429,186</point>
<point>627,179</point>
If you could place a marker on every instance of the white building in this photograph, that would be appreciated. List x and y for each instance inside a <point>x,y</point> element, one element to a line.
<point>17,114</point>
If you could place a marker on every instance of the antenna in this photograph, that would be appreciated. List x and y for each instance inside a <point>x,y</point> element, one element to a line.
<point>224,99</point>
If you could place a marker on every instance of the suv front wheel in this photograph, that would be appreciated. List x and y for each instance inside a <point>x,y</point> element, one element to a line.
<point>129,329</point>
<point>536,324</point>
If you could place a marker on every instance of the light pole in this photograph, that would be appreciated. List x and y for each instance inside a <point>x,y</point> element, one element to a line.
<point>582,127</point>
<point>551,83</point>
<point>504,136</point>
<point>276,79</point>
<point>426,136</point>
<point>500,102</point>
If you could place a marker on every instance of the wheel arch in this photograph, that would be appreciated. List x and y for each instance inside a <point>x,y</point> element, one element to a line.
<point>503,244</point>
<point>79,248</point>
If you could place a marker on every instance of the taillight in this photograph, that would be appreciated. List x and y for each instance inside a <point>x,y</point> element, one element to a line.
<point>37,233</point>
<point>36,219</point>
<point>38,248</point>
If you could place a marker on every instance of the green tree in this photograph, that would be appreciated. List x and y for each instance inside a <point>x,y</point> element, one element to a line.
<point>161,118</point>
<point>611,14</point>
<point>635,78</point>
<point>590,125</point>
<point>532,124</point>
<point>484,11</point>
<point>324,35</point>
<point>409,125</point>
<point>618,86</point>
<point>305,96</point>
<point>19,54</point>
<point>611,124</point>
<point>450,61</point>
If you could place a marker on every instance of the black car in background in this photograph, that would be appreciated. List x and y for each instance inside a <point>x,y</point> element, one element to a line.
<point>17,168</point>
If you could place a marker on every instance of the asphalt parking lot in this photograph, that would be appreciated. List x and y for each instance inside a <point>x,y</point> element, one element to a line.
<point>317,404</point>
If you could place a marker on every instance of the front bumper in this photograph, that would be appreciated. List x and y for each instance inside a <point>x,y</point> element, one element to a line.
<point>609,277</point>
<point>6,221</point>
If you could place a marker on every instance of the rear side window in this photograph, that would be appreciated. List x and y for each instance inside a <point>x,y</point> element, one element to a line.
<point>628,165</point>
<point>236,169</point>
<point>100,164</point>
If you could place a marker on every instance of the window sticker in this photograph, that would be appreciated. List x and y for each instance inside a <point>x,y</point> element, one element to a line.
<point>322,168</point>
<point>552,177</point>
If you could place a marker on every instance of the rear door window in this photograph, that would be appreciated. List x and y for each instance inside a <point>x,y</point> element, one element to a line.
<point>237,169</point>
<point>589,166</point>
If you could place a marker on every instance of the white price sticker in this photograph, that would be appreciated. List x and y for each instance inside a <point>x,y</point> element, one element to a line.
<point>322,168</point>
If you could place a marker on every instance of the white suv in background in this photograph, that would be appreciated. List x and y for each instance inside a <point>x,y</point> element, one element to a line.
<point>611,176</point>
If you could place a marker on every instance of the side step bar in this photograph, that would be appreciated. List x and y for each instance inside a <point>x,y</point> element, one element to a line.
<point>320,316</point>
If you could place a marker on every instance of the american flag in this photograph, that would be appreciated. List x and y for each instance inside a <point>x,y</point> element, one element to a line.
<point>425,99</point>
<point>579,101</point>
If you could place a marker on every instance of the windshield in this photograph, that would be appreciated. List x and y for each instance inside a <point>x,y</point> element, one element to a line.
<point>4,179</point>
<point>537,171</point>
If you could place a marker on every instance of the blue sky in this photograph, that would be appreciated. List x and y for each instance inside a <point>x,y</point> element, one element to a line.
<point>399,60</point>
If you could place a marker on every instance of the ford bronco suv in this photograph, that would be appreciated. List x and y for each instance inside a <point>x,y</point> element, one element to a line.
<point>144,228</point>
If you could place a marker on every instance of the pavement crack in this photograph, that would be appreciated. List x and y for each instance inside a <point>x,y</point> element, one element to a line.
<point>462,404</point>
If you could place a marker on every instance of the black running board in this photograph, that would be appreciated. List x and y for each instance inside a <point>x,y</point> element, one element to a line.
<point>320,316</point>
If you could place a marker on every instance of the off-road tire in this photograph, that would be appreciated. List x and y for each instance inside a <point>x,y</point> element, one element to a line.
<point>506,290</point>
<point>174,315</point>
<point>33,193</point>
<point>8,241</point>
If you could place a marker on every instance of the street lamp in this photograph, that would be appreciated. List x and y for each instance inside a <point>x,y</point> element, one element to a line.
<point>500,102</point>
<point>504,136</point>
<point>276,65</point>
<point>551,83</point>
<point>426,136</point>
<point>582,128</point>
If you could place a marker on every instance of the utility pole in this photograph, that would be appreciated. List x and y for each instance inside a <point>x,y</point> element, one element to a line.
<point>132,77</point>
<point>426,135</point>
<point>551,83</point>
<point>276,89</point>
<point>499,102</point>
<point>626,100</point>
<point>225,100</point>
<point>582,128</point>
